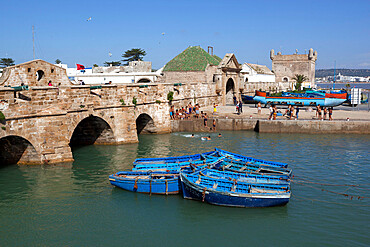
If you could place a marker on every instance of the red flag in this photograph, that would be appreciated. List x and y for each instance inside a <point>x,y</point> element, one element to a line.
<point>80,66</point>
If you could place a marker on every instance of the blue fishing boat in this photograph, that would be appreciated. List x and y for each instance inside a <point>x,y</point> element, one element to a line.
<point>176,166</point>
<point>245,177</point>
<point>147,182</point>
<point>177,159</point>
<point>232,193</point>
<point>307,99</point>
<point>219,153</point>
<point>251,168</point>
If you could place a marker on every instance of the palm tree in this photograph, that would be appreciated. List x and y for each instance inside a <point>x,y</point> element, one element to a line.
<point>299,78</point>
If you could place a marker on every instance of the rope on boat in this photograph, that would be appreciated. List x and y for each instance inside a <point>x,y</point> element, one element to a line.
<point>204,194</point>
<point>300,198</point>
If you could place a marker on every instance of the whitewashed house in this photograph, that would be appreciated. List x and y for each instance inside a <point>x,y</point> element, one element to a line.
<point>252,73</point>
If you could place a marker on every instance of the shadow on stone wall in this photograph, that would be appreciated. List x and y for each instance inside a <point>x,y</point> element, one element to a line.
<point>92,130</point>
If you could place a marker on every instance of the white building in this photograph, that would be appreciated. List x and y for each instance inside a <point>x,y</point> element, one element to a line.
<point>256,73</point>
<point>135,72</point>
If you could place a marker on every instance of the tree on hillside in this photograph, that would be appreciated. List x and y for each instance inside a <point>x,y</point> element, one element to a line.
<point>58,61</point>
<point>134,54</point>
<point>5,62</point>
<point>299,79</point>
<point>112,63</point>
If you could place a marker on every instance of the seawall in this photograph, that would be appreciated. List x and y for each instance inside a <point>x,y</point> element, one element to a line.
<point>277,126</point>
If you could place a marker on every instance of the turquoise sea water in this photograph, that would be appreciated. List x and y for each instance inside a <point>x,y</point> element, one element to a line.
<point>74,204</point>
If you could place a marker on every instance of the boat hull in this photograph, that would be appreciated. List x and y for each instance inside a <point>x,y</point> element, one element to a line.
<point>150,186</point>
<point>324,102</point>
<point>193,191</point>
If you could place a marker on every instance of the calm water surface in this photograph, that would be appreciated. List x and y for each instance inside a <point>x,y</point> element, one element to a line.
<point>74,204</point>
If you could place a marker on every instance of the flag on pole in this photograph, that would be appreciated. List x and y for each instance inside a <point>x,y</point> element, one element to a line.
<point>80,67</point>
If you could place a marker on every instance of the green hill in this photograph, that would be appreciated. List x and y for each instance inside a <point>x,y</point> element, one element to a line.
<point>194,58</point>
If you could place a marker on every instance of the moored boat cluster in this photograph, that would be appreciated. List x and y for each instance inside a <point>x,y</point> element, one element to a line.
<point>218,177</point>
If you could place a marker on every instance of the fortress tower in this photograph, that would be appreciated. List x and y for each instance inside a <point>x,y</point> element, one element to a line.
<point>286,67</point>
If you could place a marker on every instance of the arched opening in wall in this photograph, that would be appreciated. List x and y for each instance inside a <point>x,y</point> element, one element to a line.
<point>285,79</point>
<point>92,130</point>
<point>230,91</point>
<point>145,124</point>
<point>246,79</point>
<point>17,150</point>
<point>39,75</point>
<point>144,80</point>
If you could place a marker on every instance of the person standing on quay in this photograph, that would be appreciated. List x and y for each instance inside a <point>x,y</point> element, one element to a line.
<point>259,108</point>
<point>274,112</point>
<point>318,109</point>
<point>296,113</point>
<point>240,106</point>
<point>205,120</point>
<point>291,112</point>
<point>214,108</point>
<point>330,113</point>
<point>271,112</point>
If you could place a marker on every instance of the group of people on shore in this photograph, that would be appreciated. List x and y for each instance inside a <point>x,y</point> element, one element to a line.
<point>193,112</point>
<point>321,112</point>
<point>293,112</point>
<point>186,112</point>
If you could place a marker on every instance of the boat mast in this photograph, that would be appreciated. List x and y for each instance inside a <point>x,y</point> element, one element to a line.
<point>33,41</point>
<point>335,63</point>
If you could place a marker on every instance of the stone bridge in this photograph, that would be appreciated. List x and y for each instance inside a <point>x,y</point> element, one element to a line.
<point>40,123</point>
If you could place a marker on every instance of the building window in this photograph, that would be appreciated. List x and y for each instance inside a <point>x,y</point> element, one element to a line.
<point>29,70</point>
<point>285,79</point>
<point>39,74</point>
<point>52,70</point>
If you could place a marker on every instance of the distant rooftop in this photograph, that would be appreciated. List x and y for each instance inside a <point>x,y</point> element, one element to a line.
<point>260,69</point>
<point>194,58</point>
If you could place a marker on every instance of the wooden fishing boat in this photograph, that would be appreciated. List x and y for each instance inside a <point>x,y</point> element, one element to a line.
<point>327,100</point>
<point>245,177</point>
<point>177,159</point>
<point>232,193</point>
<point>252,168</point>
<point>219,153</point>
<point>176,166</point>
<point>147,182</point>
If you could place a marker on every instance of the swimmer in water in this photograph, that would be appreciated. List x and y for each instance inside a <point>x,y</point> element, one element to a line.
<point>219,135</point>
<point>192,135</point>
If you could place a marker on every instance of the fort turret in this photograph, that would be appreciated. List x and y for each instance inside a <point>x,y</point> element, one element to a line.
<point>286,67</point>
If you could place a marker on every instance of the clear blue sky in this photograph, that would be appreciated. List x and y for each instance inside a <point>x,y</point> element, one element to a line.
<point>338,30</point>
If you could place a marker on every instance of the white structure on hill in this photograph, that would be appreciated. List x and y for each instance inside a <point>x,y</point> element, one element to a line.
<point>256,73</point>
<point>135,72</point>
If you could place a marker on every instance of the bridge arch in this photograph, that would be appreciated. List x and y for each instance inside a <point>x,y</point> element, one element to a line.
<point>15,149</point>
<point>92,130</point>
<point>145,124</point>
<point>230,91</point>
